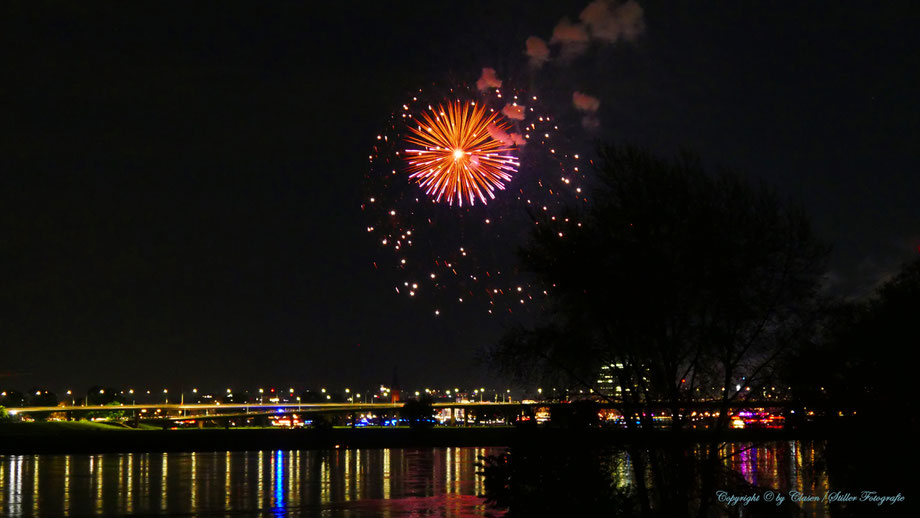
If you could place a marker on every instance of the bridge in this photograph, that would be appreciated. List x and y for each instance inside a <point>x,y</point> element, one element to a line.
<point>246,407</point>
<point>166,412</point>
<point>196,409</point>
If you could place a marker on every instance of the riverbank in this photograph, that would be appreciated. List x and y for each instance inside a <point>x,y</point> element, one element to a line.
<point>86,437</point>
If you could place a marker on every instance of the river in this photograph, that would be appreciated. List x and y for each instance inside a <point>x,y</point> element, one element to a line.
<point>397,482</point>
<point>346,483</point>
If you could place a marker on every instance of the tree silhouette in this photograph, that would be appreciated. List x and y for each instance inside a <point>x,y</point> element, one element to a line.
<point>860,367</point>
<point>860,359</point>
<point>686,285</point>
<point>689,283</point>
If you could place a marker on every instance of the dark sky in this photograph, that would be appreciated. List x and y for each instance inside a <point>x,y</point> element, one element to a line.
<point>179,184</point>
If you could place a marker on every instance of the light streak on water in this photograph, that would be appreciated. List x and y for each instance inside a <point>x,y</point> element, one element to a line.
<point>361,483</point>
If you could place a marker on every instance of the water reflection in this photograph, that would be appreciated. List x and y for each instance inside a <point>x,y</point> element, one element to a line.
<point>784,466</point>
<point>347,483</point>
<point>388,482</point>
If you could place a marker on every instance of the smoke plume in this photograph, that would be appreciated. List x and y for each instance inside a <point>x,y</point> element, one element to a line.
<point>537,50</point>
<point>488,80</point>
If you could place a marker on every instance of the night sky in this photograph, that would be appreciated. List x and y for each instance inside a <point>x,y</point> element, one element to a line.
<point>180,184</point>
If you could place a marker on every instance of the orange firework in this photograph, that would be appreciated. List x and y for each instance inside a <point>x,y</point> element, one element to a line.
<point>459,155</point>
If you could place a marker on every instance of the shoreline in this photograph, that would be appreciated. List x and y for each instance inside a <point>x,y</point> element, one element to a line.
<point>18,439</point>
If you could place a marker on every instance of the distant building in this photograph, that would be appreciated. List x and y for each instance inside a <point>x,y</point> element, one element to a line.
<point>608,382</point>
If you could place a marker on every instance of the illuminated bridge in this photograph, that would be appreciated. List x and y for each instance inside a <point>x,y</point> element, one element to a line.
<point>215,409</point>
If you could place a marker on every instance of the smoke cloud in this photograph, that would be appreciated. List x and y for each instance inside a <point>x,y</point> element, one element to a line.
<point>610,22</point>
<point>507,139</point>
<point>515,112</point>
<point>488,80</point>
<point>604,21</point>
<point>567,32</point>
<point>585,102</point>
<point>588,104</point>
<point>590,122</point>
<point>572,36</point>
<point>537,50</point>
<point>499,134</point>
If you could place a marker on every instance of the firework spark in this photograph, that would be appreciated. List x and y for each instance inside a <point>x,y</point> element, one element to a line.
<point>458,157</point>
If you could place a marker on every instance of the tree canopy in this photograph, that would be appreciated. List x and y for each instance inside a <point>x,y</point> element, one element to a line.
<point>688,283</point>
<point>861,355</point>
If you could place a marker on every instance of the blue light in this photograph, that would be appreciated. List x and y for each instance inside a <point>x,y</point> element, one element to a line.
<point>279,508</point>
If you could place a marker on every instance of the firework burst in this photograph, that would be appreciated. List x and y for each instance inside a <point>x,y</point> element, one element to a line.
<point>458,155</point>
<point>452,256</point>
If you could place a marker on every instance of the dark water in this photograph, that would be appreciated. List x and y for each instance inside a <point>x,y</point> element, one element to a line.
<point>359,483</point>
<point>786,467</point>
<point>335,483</point>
